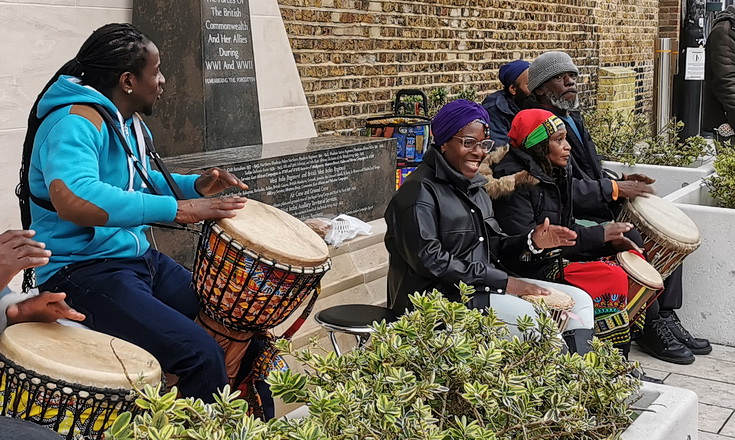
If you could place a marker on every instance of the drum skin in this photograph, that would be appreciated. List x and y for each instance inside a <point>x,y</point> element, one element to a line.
<point>558,302</point>
<point>252,271</point>
<point>644,283</point>
<point>72,380</point>
<point>669,235</point>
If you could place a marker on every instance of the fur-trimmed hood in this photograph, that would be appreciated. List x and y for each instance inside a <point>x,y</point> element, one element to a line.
<point>498,187</point>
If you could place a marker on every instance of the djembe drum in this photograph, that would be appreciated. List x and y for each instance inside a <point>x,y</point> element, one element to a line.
<point>252,271</point>
<point>69,379</point>
<point>559,304</point>
<point>644,283</point>
<point>668,234</point>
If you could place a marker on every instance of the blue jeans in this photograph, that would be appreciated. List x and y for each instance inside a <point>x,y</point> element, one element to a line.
<point>150,302</point>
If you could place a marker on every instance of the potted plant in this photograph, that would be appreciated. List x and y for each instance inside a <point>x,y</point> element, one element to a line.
<point>708,272</point>
<point>629,146</point>
<point>442,372</point>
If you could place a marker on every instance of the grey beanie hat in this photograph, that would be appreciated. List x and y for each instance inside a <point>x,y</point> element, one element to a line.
<point>547,66</point>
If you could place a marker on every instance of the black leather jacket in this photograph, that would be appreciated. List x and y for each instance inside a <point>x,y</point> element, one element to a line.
<point>441,231</point>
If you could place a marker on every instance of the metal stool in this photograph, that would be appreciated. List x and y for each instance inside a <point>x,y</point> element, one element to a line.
<point>353,319</point>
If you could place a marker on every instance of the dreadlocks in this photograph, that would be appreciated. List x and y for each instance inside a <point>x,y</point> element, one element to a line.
<point>109,52</point>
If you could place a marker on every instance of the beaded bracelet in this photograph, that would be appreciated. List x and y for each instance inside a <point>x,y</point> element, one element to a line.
<point>534,250</point>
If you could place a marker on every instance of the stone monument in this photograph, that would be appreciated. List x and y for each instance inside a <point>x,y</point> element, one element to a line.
<point>211,98</point>
<point>233,99</point>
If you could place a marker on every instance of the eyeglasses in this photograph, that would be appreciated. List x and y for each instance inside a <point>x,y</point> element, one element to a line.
<point>469,144</point>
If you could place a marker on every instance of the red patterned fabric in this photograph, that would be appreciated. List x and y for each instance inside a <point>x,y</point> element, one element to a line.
<point>607,284</point>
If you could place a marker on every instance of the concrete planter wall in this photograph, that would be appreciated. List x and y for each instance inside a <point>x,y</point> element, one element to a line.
<point>672,414</point>
<point>709,272</point>
<point>668,179</point>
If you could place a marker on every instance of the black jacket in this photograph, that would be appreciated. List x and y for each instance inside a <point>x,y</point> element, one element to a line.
<point>521,203</point>
<point>592,189</point>
<point>502,110</point>
<point>718,105</point>
<point>441,231</point>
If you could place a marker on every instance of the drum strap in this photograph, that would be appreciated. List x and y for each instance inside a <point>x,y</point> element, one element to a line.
<point>137,164</point>
<point>288,334</point>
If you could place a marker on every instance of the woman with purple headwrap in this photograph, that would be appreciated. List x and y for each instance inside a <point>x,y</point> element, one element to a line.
<point>442,230</point>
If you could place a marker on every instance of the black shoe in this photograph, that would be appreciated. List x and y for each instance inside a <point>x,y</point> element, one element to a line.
<point>659,342</point>
<point>578,341</point>
<point>695,345</point>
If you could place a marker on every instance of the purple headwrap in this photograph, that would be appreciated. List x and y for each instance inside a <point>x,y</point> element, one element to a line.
<point>455,116</point>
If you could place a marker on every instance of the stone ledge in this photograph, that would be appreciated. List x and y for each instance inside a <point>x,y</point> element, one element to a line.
<point>673,415</point>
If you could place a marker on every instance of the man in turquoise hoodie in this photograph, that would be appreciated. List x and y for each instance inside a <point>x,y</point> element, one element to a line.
<point>92,194</point>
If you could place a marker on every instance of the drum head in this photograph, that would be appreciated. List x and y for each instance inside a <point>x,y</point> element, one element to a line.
<point>667,219</point>
<point>78,355</point>
<point>276,235</point>
<point>558,300</point>
<point>640,270</point>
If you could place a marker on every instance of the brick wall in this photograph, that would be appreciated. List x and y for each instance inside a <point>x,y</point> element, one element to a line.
<point>669,19</point>
<point>354,55</point>
<point>627,32</point>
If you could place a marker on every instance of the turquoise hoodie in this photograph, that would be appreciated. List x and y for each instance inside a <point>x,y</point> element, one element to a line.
<point>77,156</point>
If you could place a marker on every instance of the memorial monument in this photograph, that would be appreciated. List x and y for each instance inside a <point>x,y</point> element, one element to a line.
<point>233,99</point>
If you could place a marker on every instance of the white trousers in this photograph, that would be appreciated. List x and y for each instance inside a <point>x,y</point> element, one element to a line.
<point>508,307</point>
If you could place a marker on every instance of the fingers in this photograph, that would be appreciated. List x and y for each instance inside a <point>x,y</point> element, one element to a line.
<point>625,244</point>
<point>13,233</point>
<point>220,179</point>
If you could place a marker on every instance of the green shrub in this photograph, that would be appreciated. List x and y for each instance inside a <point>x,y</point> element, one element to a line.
<point>722,183</point>
<point>627,137</point>
<point>441,372</point>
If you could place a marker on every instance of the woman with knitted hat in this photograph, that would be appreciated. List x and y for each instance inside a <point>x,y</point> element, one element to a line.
<point>532,183</point>
<point>442,229</point>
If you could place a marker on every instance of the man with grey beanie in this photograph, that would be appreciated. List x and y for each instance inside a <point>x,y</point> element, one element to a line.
<point>552,80</point>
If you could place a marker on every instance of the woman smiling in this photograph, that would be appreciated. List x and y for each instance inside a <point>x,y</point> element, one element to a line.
<point>442,229</point>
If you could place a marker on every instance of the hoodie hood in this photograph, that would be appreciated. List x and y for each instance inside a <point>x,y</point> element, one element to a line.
<point>727,14</point>
<point>68,90</point>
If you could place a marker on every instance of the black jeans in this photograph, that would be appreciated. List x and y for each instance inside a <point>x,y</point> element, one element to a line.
<point>150,302</point>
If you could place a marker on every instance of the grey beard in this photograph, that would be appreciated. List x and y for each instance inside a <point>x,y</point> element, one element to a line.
<point>563,104</point>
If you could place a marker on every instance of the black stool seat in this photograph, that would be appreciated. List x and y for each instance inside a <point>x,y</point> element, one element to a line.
<point>14,429</point>
<point>354,318</point>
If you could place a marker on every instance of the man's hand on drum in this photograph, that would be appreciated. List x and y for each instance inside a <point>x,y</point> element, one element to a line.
<point>631,189</point>
<point>546,236</point>
<point>521,288</point>
<point>215,180</point>
<point>614,235</point>
<point>639,178</point>
<point>194,210</point>
<point>17,252</point>
<point>46,307</point>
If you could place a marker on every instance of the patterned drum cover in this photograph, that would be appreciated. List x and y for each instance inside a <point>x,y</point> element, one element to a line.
<point>253,271</point>
<point>644,283</point>
<point>72,380</point>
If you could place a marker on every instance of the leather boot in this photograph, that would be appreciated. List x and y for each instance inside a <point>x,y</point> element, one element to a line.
<point>578,340</point>
<point>659,342</point>
<point>695,345</point>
